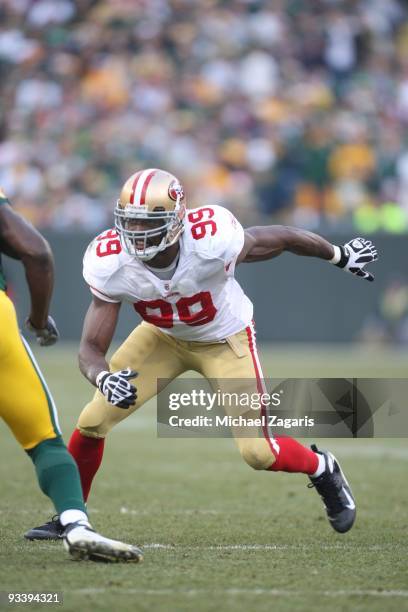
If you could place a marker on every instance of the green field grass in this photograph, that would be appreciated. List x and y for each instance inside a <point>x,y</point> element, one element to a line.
<point>216,535</point>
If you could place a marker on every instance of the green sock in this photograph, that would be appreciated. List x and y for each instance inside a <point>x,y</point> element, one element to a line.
<point>58,475</point>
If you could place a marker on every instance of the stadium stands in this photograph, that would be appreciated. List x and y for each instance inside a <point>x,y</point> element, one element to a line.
<point>294,110</point>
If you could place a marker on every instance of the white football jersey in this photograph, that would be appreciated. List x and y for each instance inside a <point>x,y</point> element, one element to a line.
<point>202,301</point>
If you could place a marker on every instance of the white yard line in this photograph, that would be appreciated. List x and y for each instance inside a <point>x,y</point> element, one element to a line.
<point>371,448</point>
<point>254,591</point>
<point>243,547</point>
<point>158,546</point>
<point>183,511</point>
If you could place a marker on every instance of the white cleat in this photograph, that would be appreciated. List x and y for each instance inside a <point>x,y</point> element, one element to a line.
<point>83,543</point>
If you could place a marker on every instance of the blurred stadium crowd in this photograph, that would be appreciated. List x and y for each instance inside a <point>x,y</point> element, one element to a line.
<point>292,109</point>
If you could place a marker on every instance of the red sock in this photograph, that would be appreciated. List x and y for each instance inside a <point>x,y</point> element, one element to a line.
<point>88,453</point>
<point>294,457</point>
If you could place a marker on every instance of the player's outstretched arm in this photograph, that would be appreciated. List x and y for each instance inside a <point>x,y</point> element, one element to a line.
<point>266,242</point>
<point>20,240</point>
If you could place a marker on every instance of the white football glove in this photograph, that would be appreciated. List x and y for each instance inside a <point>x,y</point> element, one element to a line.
<point>46,336</point>
<point>354,256</point>
<point>116,387</point>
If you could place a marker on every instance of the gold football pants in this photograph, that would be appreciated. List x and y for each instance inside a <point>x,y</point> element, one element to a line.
<point>25,402</point>
<point>231,366</point>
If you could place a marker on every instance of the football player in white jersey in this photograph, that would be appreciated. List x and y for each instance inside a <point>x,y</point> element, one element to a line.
<point>176,266</point>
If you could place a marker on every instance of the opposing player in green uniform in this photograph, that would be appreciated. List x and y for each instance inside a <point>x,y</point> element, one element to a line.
<point>25,402</point>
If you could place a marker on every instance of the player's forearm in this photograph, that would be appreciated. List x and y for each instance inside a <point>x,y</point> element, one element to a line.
<point>97,334</point>
<point>271,241</point>
<point>20,240</point>
<point>39,269</point>
<point>91,361</point>
<point>308,244</point>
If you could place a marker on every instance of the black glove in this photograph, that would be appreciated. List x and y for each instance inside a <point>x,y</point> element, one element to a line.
<point>116,387</point>
<point>46,336</point>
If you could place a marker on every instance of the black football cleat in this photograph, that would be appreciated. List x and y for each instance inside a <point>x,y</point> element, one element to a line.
<point>335,492</point>
<point>53,530</point>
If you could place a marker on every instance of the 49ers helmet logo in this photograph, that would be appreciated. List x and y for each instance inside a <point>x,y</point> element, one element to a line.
<point>176,191</point>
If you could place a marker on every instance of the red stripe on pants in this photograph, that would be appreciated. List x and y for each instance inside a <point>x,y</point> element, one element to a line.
<point>260,387</point>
